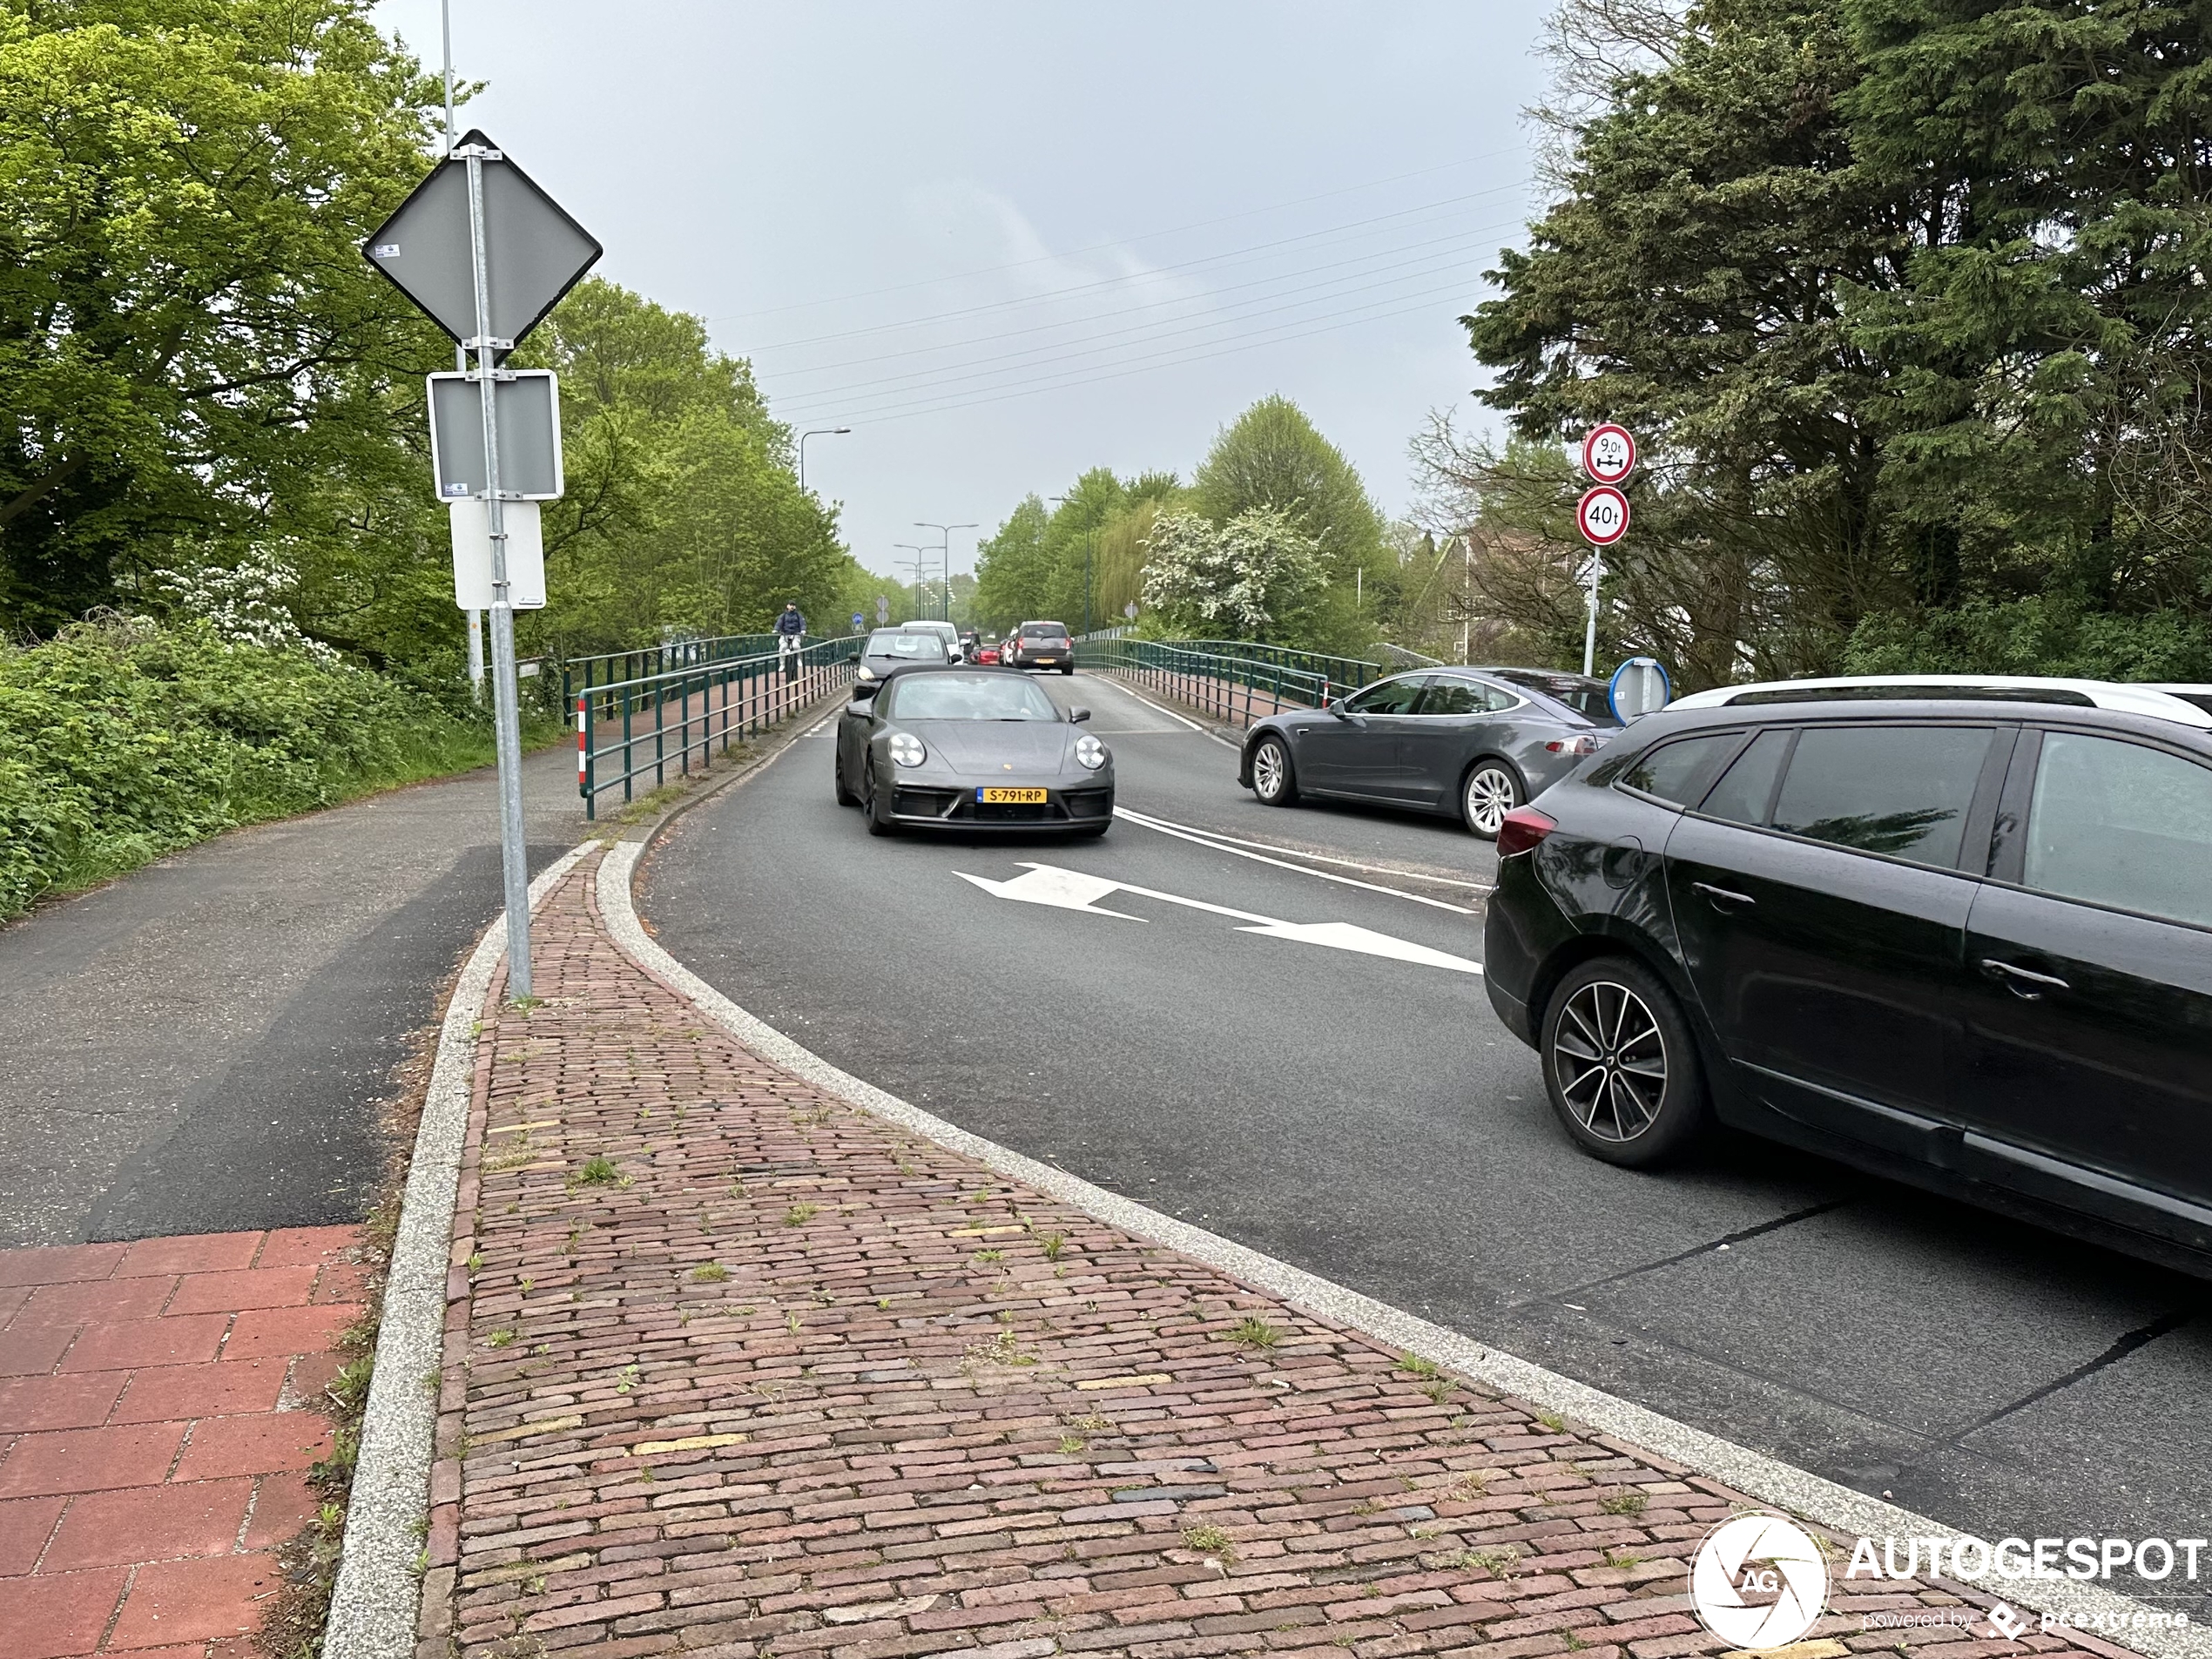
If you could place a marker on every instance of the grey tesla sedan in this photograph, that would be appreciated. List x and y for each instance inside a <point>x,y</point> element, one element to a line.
<point>971,749</point>
<point>1470,743</point>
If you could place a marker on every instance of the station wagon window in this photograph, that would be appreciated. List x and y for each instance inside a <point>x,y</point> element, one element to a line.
<point>1678,772</point>
<point>2122,825</point>
<point>1390,697</point>
<point>1746,787</point>
<point>1900,790</point>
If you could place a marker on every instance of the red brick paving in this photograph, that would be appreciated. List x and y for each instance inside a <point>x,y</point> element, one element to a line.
<point>151,1439</point>
<point>793,1384</point>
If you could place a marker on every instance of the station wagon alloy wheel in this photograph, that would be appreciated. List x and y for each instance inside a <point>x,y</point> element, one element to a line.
<point>1609,1061</point>
<point>1492,791</point>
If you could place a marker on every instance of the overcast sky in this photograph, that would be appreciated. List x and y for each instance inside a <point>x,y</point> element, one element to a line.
<point>1006,242</point>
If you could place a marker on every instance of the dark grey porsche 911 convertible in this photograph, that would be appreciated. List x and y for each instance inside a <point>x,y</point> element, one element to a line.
<point>971,749</point>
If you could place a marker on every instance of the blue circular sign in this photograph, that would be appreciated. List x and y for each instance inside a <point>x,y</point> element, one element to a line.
<point>1638,687</point>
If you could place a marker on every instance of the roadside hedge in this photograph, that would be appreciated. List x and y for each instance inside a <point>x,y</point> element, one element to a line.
<point>123,739</point>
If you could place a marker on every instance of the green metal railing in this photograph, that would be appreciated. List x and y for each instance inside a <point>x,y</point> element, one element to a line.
<point>649,725</point>
<point>1232,688</point>
<point>582,673</point>
<point>1346,673</point>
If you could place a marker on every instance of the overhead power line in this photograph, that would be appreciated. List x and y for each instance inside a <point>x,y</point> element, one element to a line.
<point>1124,241</point>
<point>1198,298</point>
<point>1069,351</point>
<point>1119,281</point>
<point>913,408</point>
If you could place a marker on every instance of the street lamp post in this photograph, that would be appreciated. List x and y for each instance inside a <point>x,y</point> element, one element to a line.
<point>946,530</point>
<point>917,548</point>
<point>816,431</point>
<point>1090,544</point>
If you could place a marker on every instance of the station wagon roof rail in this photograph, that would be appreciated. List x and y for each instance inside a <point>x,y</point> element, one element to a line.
<point>2002,688</point>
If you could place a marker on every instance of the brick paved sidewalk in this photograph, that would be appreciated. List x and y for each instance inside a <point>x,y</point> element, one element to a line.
<point>733,1369</point>
<point>153,1443</point>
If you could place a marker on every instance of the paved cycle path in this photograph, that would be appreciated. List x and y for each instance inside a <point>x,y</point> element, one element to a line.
<point>202,1045</point>
<point>735,1371</point>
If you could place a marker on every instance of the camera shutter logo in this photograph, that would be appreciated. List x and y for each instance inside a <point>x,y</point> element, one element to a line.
<point>1759,1582</point>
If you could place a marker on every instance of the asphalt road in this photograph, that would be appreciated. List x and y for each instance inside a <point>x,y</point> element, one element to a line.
<point>1367,1119</point>
<point>205,1045</point>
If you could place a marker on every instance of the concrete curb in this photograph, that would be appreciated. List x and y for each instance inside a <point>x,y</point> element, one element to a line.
<point>2099,1612</point>
<point>373,1607</point>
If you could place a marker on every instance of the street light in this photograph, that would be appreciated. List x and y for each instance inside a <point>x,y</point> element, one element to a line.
<point>917,548</point>
<point>1091,542</point>
<point>947,530</point>
<point>817,432</point>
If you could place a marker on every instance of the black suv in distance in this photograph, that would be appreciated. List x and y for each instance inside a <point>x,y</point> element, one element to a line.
<point>1962,940</point>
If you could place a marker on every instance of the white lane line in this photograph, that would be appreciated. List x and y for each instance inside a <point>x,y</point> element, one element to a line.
<point>1156,709</point>
<point>1048,884</point>
<point>1768,1479</point>
<point>1299,852</point>
<point>1319,875</point>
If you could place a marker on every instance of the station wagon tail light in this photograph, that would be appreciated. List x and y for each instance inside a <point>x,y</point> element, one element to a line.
<point>1522,828</point>
<point>1586,743</point>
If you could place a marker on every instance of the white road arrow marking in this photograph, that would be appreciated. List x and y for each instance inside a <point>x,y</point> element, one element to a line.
<point>1048,884</point>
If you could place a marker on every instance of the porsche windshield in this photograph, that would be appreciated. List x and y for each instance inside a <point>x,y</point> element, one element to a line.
<point>971,697</point>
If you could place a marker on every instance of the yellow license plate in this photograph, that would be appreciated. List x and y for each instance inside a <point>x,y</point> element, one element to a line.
<point>1011,797</point>
<point>1048,659</point>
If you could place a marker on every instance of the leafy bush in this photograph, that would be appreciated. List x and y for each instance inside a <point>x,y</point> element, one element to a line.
<point>2042,634</point>
<point>123,739</point>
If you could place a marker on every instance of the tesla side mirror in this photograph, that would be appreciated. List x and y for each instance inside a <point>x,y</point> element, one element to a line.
<point>1335,705</point>
<point>1077,715</point>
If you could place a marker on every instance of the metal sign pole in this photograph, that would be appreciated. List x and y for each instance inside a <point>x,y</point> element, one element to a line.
<point>1590,630</point>
<point>513,859</point>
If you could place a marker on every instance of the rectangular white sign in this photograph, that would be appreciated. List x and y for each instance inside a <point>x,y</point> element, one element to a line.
<point>472,554</point>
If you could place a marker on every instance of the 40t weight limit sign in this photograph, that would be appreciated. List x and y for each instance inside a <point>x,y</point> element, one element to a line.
<point>1601,516</point>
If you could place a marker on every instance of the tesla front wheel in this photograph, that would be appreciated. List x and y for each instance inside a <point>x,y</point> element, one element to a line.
<point>1271,780</point>
<point>1621,1066</point>
<point>1492,790</point>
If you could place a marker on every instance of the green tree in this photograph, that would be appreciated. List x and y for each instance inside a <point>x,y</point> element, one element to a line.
<point>1272,456</point>
<point>1691,281</point>
<point>682,513</point>
<point>191,345</point>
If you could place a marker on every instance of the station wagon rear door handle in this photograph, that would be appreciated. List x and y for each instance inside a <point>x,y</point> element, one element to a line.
<point>1721,897</point>
<point>2023,982</point>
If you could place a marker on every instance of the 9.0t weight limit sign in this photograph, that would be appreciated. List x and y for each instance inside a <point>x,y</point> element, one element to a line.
<point>1601,516</point>
<point>1608,453</point>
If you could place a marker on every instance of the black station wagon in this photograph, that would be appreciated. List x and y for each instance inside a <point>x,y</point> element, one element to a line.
<point>1964,939</point>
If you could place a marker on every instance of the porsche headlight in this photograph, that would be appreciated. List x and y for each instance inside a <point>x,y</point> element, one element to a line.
<point>906,750</point>
<point>1089,752</point>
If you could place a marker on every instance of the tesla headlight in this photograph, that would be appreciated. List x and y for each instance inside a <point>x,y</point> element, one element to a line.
<point>1089,752</point>
<point>906,750</point>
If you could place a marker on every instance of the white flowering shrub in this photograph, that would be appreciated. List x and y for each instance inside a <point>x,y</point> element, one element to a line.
<point>1230,581</point>
<point>243,603</point>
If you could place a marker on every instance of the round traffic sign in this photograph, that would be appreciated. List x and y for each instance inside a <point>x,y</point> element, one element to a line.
<point>1601,514</point>
<point>1609,453</point>
<point>1637,687</point>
